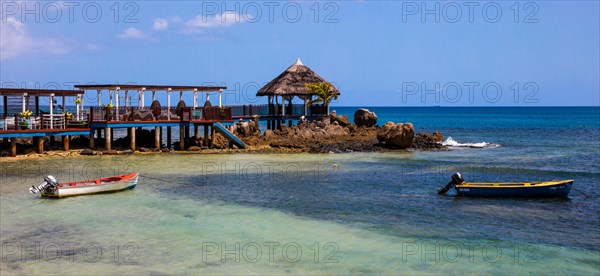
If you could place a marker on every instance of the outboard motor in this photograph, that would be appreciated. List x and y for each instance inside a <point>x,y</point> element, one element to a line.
<point>456,179</point>
<point>49,182</point>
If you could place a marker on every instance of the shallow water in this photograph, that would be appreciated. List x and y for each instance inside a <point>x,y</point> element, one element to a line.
<point>375,213</point>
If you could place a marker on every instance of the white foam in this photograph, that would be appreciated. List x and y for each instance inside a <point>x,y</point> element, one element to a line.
<point>453,143</point>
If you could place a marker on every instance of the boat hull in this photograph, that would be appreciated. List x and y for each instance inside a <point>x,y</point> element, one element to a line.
<point>93,187</point>
<point>560,189</point>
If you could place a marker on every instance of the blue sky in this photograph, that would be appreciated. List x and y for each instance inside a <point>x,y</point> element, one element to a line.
<point>379,53</point>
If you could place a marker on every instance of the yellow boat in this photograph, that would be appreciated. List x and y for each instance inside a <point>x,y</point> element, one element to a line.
<point>554,188</point>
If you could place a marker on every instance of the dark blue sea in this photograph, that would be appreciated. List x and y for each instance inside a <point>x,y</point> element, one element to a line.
<point>349,213</point>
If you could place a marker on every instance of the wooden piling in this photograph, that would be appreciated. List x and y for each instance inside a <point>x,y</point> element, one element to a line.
<point>92,138</point>
<point>187,136</point>
<point>195,131</point>
<point>40,144</point>
<point>108,138</point>
<point>212,135</point>
<point>13,147</point>
<point>181,138</point>
<point>157,137</point>
<point>169,143</point>
<point>66,139</point>
<point>205,135</point>
<point>132,138</point>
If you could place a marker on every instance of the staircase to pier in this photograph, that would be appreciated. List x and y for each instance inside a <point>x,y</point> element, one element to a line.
<point>232,138</point>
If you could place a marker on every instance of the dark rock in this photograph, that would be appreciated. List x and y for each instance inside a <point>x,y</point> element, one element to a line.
<point>127,151</point>
<point>166,150</point>
<point>438,136</point>
<point>342,120</point>
<point>194,148</point>
<point>87,152</point>
<point>426,141</point>
<point>110,152</point>
<point>142,149</point>
<point>364,117</point>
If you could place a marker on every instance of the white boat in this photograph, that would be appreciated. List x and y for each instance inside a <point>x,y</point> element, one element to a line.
<point>52,188</point>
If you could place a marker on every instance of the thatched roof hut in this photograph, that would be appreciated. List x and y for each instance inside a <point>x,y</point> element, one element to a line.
<point>292,82</point>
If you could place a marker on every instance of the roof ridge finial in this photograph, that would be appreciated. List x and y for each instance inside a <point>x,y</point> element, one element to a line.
<point>298,62</point>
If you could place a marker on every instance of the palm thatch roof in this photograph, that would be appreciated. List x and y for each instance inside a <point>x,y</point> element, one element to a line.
<point>292,82</point>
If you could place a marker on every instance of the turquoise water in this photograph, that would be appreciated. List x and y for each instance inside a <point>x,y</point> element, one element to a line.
<point>376,213</point>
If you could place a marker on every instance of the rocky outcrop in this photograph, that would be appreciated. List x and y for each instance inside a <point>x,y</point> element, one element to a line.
<point>364,117</point>
<point>245,129</point>
<point>396,135</point>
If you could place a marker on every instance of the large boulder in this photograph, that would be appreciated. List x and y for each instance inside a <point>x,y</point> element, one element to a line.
<point>364,117</point>
<point>396,135</point>
<point>342,120</point>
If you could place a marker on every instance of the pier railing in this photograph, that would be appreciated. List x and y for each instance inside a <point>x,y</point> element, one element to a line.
<point>146,114</point>
<point>14,122</point>
<point>208,113</point>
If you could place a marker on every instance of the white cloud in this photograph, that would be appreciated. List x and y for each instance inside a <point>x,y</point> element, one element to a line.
<point>160,24</point>
<point>134,33</point>
<point>16,41</point>
<point>219,20</point>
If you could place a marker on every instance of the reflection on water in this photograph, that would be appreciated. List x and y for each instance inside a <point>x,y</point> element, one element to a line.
<point>273,214</point>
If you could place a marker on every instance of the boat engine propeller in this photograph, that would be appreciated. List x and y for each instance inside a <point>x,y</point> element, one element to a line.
<point>49,182</point>
<point>456,179</point>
